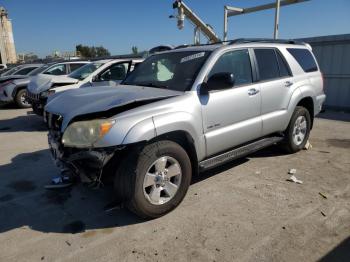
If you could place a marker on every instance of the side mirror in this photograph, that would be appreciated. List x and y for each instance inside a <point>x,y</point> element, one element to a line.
<point>220,81</point>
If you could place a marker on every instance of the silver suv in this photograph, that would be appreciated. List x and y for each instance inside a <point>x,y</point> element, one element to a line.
<point>184,111</point>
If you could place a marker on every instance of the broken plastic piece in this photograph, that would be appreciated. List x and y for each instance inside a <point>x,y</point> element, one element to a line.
<point>322,195</point>
<point>307,146</point>
<point>60,182</point>
<point>294,179</point>
<point>292,171</point>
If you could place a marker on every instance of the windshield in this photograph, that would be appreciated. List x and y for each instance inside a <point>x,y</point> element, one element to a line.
<point>86,70</point>
<point>11,71</point>
<point>38,70</point>
<point>175,70</point>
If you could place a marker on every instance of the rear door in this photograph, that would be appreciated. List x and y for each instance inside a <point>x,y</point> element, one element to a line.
<point>232,116</point>
<point>57,70</point>
<point>276,85</point>
<point>113,75</point>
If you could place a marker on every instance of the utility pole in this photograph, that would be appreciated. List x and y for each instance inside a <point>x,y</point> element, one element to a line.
<point>277,18</point>
<point>234,11</point>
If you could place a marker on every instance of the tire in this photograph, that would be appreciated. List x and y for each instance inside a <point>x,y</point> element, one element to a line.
<point>20,99</point>
<point>298,130</point>
<point>141,191</point>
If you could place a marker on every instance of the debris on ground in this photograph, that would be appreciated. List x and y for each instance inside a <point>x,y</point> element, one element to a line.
<point>68,243</point>
<point>322,195</point>
<point>323,214</point>
<point>292,171</point>
<point>307,146</point>
<point>294,179</point>
<point>258,173</point>
<point>115,205</point>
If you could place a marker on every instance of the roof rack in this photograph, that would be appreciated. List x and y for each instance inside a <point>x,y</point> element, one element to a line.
<point>265,40</point>
<point>247,40</point>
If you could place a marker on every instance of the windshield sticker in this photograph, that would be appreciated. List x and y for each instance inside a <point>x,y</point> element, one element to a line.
<point>191,57</point>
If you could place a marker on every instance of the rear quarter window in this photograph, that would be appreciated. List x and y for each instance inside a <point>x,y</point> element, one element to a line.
<point>304,59</point>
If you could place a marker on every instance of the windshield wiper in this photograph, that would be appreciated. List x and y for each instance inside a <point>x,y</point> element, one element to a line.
<point>153,85</point>
<point>148,84</point>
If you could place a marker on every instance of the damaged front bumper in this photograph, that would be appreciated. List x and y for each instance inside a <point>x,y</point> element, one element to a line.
<point>38,103</point>
<point>88,164</point>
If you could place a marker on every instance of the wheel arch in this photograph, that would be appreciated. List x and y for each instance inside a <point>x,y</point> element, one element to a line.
<point>17,89</point>
<point>186,141</point>
<point>308,103</point>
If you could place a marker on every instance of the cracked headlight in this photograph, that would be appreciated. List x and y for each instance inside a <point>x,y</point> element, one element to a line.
<point>86,133</point>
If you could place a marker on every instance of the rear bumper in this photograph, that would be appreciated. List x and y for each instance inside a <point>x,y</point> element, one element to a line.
<point>320,99</point>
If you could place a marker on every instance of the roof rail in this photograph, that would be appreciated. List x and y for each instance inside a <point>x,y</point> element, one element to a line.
<point>265,40</point>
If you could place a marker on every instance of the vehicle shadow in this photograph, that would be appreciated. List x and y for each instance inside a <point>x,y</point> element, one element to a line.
<point>26,123</point>
<point>339,253</point>
<point>335,115</point>
<point>8,106</point>
<point>24,203</point>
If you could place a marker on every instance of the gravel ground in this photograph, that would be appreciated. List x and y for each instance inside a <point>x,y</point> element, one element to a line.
<point>244,211</point>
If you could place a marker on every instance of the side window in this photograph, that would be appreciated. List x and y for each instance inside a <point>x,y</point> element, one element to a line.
<point>25,71</point>
<point>75,66</point>
<point>116,72</point>
<point>236,62</point>
<point>304,58</point>
<point>267,64</point>
<point>56,70</point>
<point>282,64</point>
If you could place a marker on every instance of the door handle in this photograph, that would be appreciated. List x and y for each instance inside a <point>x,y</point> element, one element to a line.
<point>288,83</point>
<point>253,91</point>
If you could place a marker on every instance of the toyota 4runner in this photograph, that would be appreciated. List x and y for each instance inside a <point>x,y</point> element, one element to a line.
<point>183,111</point>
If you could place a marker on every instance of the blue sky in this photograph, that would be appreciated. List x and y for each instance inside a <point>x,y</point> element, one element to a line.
<point>42,26</point>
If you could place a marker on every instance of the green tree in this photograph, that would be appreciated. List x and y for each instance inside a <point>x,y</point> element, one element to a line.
<point>135,50</point>
<point>92,51</point>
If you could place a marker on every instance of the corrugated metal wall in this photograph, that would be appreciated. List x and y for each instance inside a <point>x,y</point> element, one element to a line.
<point>333,56</point>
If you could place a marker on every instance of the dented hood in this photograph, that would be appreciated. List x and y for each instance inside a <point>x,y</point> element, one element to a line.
<point>82,101</point>
<point>42,82</point>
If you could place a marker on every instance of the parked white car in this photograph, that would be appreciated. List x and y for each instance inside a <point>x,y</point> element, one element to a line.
<point>108,72</point>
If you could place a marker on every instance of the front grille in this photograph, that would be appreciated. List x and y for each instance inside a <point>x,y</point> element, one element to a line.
<point>33,97</point>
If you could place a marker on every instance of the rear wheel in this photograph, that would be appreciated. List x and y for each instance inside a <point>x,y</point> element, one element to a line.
<point>159,176</point>
<point>21,99</point>
<point>298,130</point>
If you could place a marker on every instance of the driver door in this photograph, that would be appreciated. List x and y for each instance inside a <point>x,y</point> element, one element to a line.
<point>113,75</point>
<point>232,116</point>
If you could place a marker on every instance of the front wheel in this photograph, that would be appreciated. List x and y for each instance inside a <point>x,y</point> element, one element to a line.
<point>21,99</point>
<point>160,176</point>
<point>298,130</point>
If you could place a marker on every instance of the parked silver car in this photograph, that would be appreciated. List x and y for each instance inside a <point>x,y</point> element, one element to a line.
<point>14,89</point>
<point>107,72</point>
<point>184,111</point>
<point>18,72</point>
